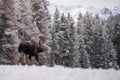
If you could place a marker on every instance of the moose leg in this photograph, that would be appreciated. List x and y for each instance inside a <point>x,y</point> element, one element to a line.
<point>30,56</point>
<point>18,58</point>
<point>37,60</point>
<point>44,60</point>
<point>25,59</point>
<point>36,57</point>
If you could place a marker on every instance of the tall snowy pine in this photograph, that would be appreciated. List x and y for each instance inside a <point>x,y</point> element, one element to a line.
<point>54,31</point>
<point>82,54</point>
<point>71,34</point>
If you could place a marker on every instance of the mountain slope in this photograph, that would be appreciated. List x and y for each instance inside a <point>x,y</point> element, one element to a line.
<point>75,10</point>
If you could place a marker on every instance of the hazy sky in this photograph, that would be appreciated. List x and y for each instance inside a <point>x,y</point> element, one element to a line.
<point>87,3</point>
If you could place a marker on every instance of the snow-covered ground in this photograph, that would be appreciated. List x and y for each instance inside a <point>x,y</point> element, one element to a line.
<point>56,73</point>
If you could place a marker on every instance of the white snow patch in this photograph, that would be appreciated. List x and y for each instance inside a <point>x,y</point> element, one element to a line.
<point>55,73</point>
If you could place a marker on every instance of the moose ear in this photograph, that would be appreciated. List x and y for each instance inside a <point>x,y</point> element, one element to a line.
<point>42,39</point>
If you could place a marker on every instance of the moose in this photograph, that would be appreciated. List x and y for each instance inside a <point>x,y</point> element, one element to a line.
<point>32,48</point>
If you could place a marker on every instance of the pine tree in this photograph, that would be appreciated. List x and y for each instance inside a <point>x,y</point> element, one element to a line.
<point>102,47</point>
<point>97,57</point>
<point>71,34</point>
<point>113,36</point>
<point>82,54</point>
<point>54,32</point>
<point>56,20</point>
<point>64,42</point>
<point>8,33</point>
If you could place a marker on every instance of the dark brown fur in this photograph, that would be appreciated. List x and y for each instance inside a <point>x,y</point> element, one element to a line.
<point>30,49</point>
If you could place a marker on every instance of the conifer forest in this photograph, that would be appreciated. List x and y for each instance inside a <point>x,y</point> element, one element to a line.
<point>29,34</point>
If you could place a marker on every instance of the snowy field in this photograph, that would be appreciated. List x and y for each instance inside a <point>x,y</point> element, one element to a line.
<point>56,73</point>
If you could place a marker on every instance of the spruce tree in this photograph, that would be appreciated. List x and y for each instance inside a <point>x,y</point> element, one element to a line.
<point>82,54</point>
<point>71,34</point>
<point>113,37</point>
<point>64,42</point>
<point>56,21</point>
<point>55,32</point>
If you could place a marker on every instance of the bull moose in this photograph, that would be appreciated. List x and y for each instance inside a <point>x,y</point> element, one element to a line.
<point>32,48</point>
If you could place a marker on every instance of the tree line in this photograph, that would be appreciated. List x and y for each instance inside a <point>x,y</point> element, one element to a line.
<point>89,42</point>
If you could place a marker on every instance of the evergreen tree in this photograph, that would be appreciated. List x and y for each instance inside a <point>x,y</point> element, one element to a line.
<point>56,20</point>
<point>54,31</point>
<point>71,34</point>
<point>82,54</point>
<point>113,36</point>
<point>63,42</point>
<point>102,47</point>
<point>97,58</point>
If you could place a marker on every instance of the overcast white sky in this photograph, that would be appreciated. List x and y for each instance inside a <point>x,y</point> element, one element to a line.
<point>87,3</point>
